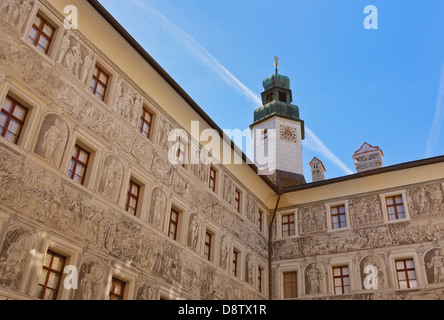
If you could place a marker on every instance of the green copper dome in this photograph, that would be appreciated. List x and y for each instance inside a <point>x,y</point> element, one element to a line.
<point>276,99</point>
<point>276,80</point>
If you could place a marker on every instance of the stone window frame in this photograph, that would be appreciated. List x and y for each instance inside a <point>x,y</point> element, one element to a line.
<point>341,262</point>
<point>112,80</point>
<point>42,33</point>
<point>215,188</point>
<point>72,254</point>
<point>77,151</point>
<point>101,71</point>
<point>123,274</point>
<point>130,195</point>
<point>289,268</point>
<point>406,254</point>
<point>280,216</point>
<point>403,194</point>
<point>328,207</point>
<point>87,142</point>
<point>147,109</point>
<point>33,107</point>
<point>50,271</point>
<point>57,37</point>
<point>181,230</point>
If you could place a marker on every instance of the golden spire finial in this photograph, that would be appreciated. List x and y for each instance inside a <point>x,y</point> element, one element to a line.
<point>276,63</point>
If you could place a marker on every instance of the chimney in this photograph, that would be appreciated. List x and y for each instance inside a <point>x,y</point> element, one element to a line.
<point>317,170</point>
<point>368,158</point>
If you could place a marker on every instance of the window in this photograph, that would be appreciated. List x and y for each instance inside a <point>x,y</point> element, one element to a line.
<point>79,164</point>
<point>181,153</point>
<point>290,285</point>
<point>338,217</point>
<point>265,134</point>
<point>208,242</point>
<point>260,220</point>
<point>395,208</point>
<point>51,276</point>
<point>174,221</point>
<point>41,34</point>
<point>406,273</point>
<point>117,289</point>
<point>133,197</point>
<point>235,262</point>
<point>269,98</point>
<point>12,119</point>
<point>282,96</point>
<point>260,272</point>
<point>288,227</point>
<point>341,279</point>
<point>146,123</point>
<point>213,179</point>
<point>99,83</point>
<point>237,200</point>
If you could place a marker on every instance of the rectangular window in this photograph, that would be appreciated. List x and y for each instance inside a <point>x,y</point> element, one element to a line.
<point>51,276</point>
<point>288,226</point>
<point>207,249</point>
<point>79,164</point>
<point>338,217</point>
<point>237,200</point>
<point>117,289</point>
<point>260,220</point>
<point>174,222</point>
<point>181,153</point>
<point>341,279</point>
<point>395,208</point>
<point>133,198</point>
<point>99,83</point>
<point>259,278</point>
<point>41,34</point>
<point>290,285</point>
<point>282,96</point>
<point>213,179</point>
<point>406,272</point>
<point>235,262</point>
<point>146,123</point>
<point>269,98</point>
<point>12,119</point>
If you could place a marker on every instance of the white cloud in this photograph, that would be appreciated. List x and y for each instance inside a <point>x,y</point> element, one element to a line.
<point>435,130</point>
<point>312,142</point>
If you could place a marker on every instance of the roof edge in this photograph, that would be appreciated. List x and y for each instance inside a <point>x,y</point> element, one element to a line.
<point>397,167</point>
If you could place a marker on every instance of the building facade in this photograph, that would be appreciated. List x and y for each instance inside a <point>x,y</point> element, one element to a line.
<point>88,187</point>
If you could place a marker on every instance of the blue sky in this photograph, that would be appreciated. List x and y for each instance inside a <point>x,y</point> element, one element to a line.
<point>352,85</point>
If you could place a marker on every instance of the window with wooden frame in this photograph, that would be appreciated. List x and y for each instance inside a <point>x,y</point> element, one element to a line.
<point>117,290</point>
<point>290,285</point>
<point>99,83</point>
<point>212,179</point>
<point>260,220</point>
<point>406,273</point>
<point>51,276</point>
<point>41,34</point>
<point>146,123</point>
<point>341,280</point>
<point>208,243</point>
<point>234,269</point>
<point>288,225</point>
<point>181,152</point>
<point>237,200</point>
<point>338,217</point>
<point>79,164</point>
<point>133,198</point>
<point>12,119</point>
<point>395,208</point>
<point>260,272</point>
<point>174,223</point>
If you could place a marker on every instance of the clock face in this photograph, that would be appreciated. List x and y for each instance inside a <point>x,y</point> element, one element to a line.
<point>288,134</point>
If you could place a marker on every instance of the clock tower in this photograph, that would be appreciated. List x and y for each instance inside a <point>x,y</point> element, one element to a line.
<point>278,115</point>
